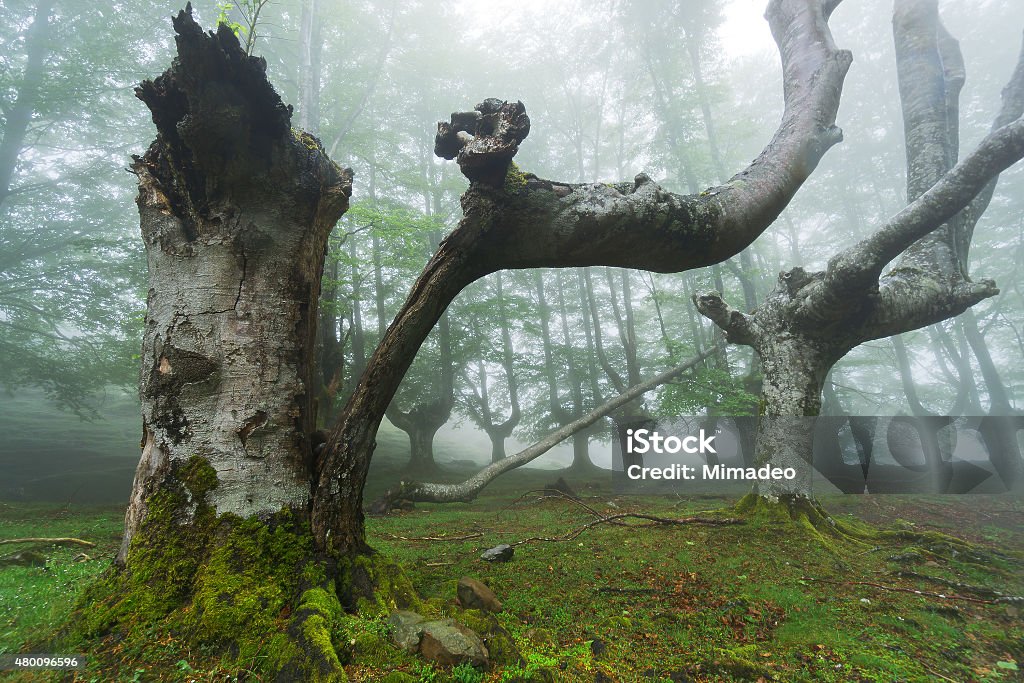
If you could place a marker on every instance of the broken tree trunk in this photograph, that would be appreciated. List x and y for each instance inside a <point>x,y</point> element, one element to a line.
<point>235,209</point>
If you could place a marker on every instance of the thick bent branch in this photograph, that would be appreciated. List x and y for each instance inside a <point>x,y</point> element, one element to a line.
<point>544,223</point>
<point>468,490</point>
<point>516,221</point>
<point>966,189</point>
<point>857,269</point>
<point>739,328</point>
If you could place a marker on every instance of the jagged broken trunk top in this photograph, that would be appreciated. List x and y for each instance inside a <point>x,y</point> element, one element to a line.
<point>235,211</point>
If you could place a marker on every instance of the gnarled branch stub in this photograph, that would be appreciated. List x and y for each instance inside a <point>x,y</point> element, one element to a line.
<point>484,140</point>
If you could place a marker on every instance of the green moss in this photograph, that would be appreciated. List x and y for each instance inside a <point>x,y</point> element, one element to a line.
<point>248,581</point>
<point>377,585</point>
<point>247,589</point>
<point>478,620</point>
<point>307,140</point>
<point>163,560</point>
<point>502,648</point>
<point>739,662</point>
<point>399,677</point>
<point>199,477</point>
<point>515,179</point>
<point>500,644</point>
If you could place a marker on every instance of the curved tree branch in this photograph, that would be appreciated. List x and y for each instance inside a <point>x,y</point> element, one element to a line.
<point>512,220</point>
<point>469,489</point>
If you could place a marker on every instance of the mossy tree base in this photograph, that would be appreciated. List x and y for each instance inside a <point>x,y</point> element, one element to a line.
<point>251,593</point>
<point>808,515</point>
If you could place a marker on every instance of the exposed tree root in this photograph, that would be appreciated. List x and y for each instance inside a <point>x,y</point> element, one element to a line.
<point>808,514</point>
<point>649,521</point>
<point>981,591</point>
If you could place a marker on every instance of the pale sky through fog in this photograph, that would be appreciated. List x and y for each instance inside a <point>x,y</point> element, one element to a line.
<point>744,31</point>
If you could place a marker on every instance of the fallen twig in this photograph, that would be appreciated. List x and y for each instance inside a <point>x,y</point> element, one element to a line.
<point>52,541</point>
<point>612,589</point>
<point>936,673</point>
<point>466,537</point>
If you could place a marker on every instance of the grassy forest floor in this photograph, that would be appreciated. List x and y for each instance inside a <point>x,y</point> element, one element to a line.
<point>757,601</point>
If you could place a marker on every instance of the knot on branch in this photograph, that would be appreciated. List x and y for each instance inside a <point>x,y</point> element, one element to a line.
<point>794,280</point>
<point>485,140</point>
<point>737,326</point>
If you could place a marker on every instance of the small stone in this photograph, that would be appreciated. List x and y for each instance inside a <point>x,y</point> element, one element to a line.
<point>406,629</point>
<point>449,643</point>
<point>865,601</point>
<point>473,594</point>
<point>499,553</point>
<point>598,647</point>
<point>931,563</point>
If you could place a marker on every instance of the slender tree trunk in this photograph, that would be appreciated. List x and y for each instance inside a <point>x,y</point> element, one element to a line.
<point>310,50</point>
<point>18,117</point>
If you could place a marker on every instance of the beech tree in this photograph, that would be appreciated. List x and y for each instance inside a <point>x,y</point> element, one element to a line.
<point>518,220</point>
<point>811,320</point>
<point>235,206</point>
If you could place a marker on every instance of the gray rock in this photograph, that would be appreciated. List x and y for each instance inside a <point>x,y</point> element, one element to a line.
<point>406,629</point>
<point>499,553</point>
<point>473,594</point>
<point>449,643</point>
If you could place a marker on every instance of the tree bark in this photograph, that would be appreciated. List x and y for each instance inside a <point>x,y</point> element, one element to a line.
<point>516,220</point>
<point>235,211</point>
<point>812,320</point>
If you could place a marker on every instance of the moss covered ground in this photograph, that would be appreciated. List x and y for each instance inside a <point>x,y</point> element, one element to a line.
<point>764,601</point>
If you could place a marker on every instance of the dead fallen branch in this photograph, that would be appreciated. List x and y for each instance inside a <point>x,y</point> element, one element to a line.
<point>51,541</point>
<point>900,589</point>
<point>465,537</point>
<point>549,493</point>
<point>466,491</point>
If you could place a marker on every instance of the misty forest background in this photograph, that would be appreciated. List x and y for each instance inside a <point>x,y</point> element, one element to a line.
<point>681,91</point>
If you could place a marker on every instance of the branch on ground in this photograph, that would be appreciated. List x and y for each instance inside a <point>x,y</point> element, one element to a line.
<point>51,541</point>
